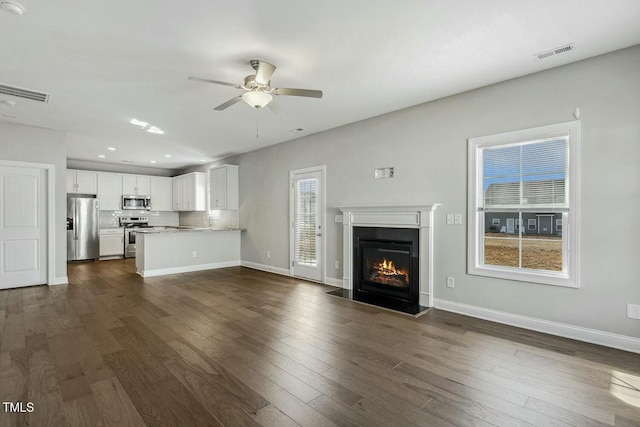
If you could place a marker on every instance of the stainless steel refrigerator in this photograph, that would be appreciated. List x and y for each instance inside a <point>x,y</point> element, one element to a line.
<point>83,231</point>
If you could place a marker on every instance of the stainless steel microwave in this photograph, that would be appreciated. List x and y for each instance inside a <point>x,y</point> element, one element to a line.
<point>136,203</point>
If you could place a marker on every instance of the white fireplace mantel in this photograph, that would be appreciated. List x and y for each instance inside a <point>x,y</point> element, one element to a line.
<point>415,216</point>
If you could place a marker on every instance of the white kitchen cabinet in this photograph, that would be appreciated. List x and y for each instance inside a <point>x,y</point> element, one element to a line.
<point>111,242</point>
<point>189,192</point>
<point>176,193</point>
<point>160,193</point>
<point>223,187</point>
<point>137,185</point>
<point>82,182</point>
<point>109,191</point>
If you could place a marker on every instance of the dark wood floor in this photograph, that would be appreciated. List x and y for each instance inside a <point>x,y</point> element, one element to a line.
<point>239,347</point>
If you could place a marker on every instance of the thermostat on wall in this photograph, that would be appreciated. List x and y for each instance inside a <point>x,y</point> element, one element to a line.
<point>383,173</point>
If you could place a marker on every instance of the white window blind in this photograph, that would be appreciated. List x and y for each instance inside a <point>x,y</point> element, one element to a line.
<point>528,179</point>
<point>524,176</point>
<point>305,221</point>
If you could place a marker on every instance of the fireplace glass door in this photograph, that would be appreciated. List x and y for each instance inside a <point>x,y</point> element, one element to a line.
<point>386,268</point>
<point>386,264</point>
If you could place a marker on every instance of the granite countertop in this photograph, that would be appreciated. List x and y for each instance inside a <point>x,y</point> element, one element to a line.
<point>182,229</point>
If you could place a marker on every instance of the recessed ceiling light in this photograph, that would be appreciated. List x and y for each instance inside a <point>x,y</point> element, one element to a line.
<point>102,156</point>
<point>140,123</point>
<point>203,160</point>
<point>155,130</point>
<point>111,149</point>
<point>152,161</point>
<point>168,156</point>
<point>12,7</point>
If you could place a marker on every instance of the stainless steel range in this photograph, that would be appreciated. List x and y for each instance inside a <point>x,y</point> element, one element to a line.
<point>130,225</point>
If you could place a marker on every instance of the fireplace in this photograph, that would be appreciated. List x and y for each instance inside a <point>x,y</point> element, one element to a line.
<point>386,265</point>
<point>388,256</point>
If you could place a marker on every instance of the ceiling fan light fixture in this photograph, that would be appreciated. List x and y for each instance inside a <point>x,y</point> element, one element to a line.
<point>12,7</point>
<point>257,99</point>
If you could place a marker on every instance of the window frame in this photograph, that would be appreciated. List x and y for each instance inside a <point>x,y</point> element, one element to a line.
<point>529,224</point>
<point>569,277</point>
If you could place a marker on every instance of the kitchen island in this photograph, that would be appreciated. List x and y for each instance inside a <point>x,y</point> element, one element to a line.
<point>171,250</point>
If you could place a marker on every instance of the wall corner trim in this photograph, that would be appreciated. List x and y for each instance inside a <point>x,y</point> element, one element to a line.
<point>64,280</point>
<point>593,336</point>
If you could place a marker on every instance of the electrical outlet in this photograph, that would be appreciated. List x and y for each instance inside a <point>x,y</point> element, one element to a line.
<point>449,219</point>
<point>633,311</point>
<point>457,219</point>
<point>194,254</point>
<point>450,282</point>
<point>336,264</point>
<point>268,253</point>
<point>337,218</point>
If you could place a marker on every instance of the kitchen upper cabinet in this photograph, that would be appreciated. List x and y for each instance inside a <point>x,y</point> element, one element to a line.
<point>136,185</point>
<point>82,182</point>
<point>176,193</point>
<point>160,193</point>
<point>190,192</point>
<point>223,187</point>
<point>109,191</point>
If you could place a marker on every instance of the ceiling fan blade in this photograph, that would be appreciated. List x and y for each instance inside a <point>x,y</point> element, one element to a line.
<point>198,79</point>
<point>229,103</point>
<point>297,92</point>
<point>264,72</point>
<point>275,108</point>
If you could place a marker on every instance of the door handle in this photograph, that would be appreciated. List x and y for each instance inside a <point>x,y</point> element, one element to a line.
<point>319,234</point>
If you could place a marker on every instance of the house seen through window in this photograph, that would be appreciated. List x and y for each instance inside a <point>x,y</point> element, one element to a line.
<point>523,180</point>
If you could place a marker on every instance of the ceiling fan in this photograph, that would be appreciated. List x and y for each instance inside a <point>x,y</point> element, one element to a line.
<point>258,87</point>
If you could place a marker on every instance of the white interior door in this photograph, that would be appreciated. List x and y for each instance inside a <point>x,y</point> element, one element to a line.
<point>23,227</point>
<point>307,208</point>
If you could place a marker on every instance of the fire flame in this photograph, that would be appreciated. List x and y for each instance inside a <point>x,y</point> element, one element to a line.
<point>387,268</point>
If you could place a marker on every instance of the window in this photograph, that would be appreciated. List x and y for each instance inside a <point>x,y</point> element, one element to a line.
<point>528,176</point>
<point>496,221</point>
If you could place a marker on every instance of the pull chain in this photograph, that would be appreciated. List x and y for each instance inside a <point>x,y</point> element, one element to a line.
<point>257,123</point>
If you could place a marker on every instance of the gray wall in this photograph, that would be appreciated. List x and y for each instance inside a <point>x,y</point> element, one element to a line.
<point>38,145</point>
<point>427,145</point>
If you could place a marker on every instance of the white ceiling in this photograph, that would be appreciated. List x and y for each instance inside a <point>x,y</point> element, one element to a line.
<point>106,62</point>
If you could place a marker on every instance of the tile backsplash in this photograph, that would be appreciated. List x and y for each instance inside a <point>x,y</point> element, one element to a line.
<point>110,219</point>
<point>216,219</point>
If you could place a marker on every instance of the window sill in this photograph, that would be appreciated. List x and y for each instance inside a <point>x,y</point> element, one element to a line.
<point>526,275</point>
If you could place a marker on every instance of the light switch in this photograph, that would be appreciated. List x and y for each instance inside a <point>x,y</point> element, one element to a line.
<point>458,219</point>
<point>449,219</point>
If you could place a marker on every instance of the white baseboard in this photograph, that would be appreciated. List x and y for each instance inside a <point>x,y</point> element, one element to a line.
<point>64,280</point>
<point>188,268</point>
<point>267,268</point>
<point>593,336</point>
<point>332,281</point>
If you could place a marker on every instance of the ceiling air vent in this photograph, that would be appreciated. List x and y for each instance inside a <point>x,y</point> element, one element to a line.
<point>24,93</point>
<point>556,51</point>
